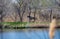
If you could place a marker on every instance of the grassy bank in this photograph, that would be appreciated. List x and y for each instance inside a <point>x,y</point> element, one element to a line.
<point>23,24</point>
<point>14,23</point>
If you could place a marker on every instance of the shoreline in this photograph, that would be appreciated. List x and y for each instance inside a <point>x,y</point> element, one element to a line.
<point>28,27</point>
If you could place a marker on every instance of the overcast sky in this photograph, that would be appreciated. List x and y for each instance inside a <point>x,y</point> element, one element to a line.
<point>14,1</point>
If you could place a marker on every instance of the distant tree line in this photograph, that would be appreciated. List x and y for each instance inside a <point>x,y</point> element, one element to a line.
<point>18,8</point>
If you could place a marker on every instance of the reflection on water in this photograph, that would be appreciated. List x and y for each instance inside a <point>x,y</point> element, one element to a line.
<point>30,34</point>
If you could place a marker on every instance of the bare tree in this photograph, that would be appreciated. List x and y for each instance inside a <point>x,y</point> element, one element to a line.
<point>35,14</point>
<point>1,10</point>
<point>21,9</point>
<point>29,13</point>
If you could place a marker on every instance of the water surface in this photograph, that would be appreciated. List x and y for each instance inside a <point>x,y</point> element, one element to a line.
<point>29,34</point>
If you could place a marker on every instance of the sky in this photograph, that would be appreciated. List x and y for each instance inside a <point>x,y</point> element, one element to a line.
<point>14,1</point>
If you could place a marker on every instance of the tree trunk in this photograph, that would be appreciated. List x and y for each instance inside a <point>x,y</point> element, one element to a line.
<point>34,14</point>
<point>51,15</point>
<point>29,13</point>
<point>1,16</point>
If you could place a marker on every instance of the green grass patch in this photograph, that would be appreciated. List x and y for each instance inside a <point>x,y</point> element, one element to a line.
<point>22,24</point>
<point>19,24</point>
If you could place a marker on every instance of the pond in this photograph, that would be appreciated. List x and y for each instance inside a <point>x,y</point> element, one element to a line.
<point>29,34</point>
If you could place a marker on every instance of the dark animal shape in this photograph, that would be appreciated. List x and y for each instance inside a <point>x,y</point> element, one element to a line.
<point>30,17</point>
